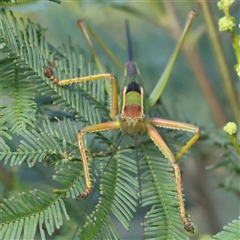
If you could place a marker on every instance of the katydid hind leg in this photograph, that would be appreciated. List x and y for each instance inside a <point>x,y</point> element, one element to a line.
<point>157,91</point>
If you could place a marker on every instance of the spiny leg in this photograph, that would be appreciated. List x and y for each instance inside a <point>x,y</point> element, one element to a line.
<point>159,122</point>
<point>89,129</point>
<point>114,97</point>
<point>157,139</point>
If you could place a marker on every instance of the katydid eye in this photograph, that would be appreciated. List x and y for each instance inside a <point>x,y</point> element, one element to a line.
<point>143,116</point>
<point>121,117</point>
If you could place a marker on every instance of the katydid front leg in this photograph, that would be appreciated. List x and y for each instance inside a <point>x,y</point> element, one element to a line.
<point>114,98</point>
<point>114,125</point>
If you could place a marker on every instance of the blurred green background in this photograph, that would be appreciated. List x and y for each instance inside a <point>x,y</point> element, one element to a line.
<point>210,207</point>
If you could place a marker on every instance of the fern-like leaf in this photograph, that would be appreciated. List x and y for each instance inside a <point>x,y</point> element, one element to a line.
<point>22,216</point>
<point>159,192</point>
<point>20,63</point>
<point>232,231</point>
<point>121,202</point>
<point>25,54</point>
<point>34,147</point>
<point>20,109</point>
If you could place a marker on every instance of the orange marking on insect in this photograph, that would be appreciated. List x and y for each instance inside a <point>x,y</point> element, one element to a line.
<point>132,111</point>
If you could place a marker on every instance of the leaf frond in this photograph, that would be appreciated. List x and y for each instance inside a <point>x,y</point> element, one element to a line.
<point>159,192</point>
<point>118,196</point>
<point>232,231</point>
<point>22,216</point>
<point>25,53</point>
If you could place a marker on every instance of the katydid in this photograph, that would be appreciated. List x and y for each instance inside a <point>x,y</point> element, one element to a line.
<point>133,117</point>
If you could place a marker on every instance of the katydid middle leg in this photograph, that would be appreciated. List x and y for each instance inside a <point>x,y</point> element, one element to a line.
<point>106,126</point>
<point>159,122</point>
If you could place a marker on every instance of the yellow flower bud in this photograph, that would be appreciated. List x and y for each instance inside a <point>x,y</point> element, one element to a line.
<point>238,70</point>
<point>223,4</point>
<point>230,128</point>
<point>226,23</point>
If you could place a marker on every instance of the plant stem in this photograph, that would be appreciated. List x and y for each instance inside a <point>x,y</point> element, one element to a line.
<point>224,71</point>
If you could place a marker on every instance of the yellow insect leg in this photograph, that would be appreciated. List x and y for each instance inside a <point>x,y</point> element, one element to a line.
<point>89,129</point>
<point>157,139</point>
<point>159,122</point>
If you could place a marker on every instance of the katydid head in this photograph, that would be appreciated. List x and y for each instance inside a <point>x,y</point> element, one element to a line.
<point>132,125</point>
<point>132,116</point>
